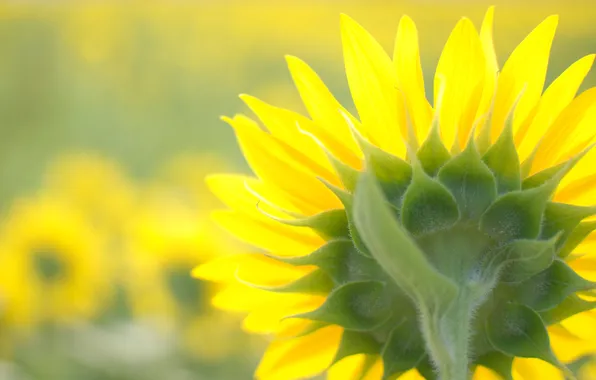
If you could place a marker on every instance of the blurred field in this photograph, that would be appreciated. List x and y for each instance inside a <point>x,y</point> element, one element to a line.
<point>109,115</point>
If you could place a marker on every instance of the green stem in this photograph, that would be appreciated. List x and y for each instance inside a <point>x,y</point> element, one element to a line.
<point>447,336</point>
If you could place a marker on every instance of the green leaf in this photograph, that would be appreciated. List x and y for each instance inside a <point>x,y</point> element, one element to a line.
<point>433,154</point>
<point>550,287</point>
<point>330,224</point>
<point>503,160</point>
<point>427,205</point>
<point>525,258</point>
<point>576,237</point>
<point>357,306</point>
<point>426,369</point>
<point>353,343</point>
<point>470,181</point>
<point>498,362</point>
<point>570,306</point>
<point>316,282</point>
<point>516,330</point>
<point>394,249</point>
<point>403,350</point>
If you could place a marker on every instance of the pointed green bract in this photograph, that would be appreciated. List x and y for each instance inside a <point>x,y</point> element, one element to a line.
<point>316,282</point>
<point>576,237</point>
<point>433,154</point>
<point>353,342</point>
<point>516,330</point>
<point>470,181</point>
<point>503,160</point>
<point>570,306</point>
<point>403,350</point>
<point>329,224</point>
<point>357,306</point>
<point>394,249</point>
<point>550,287</point>
<point>427,205</point>
<point>498,362</point>
<point>525,258</point>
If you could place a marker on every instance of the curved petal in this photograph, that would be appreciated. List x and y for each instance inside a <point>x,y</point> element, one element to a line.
<point>461,69</point>
<point>524,70</point>
<point>373,84</point>
<point>410,80</point>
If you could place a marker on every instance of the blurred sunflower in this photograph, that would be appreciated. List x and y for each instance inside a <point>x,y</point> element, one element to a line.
<point>168,235</point>
<point>94,184</point>
<point>52,265</point>
<point>419,240</point>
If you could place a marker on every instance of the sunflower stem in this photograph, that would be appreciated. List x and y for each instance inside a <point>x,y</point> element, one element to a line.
<point>447,336</point>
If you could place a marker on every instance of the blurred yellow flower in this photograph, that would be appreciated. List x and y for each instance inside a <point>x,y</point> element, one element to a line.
<point>94,184</point>
<point>53,268</point>
<point>370,226</point>
<point>169,234</point>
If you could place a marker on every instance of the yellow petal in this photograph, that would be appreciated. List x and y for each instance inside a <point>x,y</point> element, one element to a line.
<point>533,369</point>
<point>272,236</point>
<point>556,97</point>
<point>373,84</point>
<point>284,125</point>
<point>406,58</point>
<point>567,347</point>
<point>582,325</point>
<point>275,165</point>
<point>524,70</point>
<point>221,269</point>
<point>483,373</point>
<point>461,70</point>
<point>348,368</point>
<point>237,192</point>
<point>266,319</point>
<point>261,270</point>
<point>239,297</point>
<point>376,371</point>
<point>412,374</point>
<point>574,123</point>
<point>302,357</point>
<point>324,110</point>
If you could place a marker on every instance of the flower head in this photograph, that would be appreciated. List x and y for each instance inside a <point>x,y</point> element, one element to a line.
<point>418,239</point>
<point>53,268</point>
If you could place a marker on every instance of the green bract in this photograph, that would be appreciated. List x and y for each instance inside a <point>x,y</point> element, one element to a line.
<point>446,261</point>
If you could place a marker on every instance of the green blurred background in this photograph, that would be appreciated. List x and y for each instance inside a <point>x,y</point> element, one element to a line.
<point>124,98</point>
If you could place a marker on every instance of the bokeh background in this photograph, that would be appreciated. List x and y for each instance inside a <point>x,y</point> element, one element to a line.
<point>109,113</point>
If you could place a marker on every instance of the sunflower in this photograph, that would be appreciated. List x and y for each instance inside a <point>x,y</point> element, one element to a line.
<point>166,237</point>
<point>450,240</point>
<point>94,184</point>
<point>52,266</point>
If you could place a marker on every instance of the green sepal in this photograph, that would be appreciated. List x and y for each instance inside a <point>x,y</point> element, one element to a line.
<point>503,160</point>
<point>392,173</point>
<point>470,181</point>
<point>570,306</point>
<point>433,154</point>
<point>516,330</point>
<point>427,369</point>
<point>563,218</point>
<point>339,259</point>
<point>550,287</point>
<point>348,200</point>
<point>316,282</point>
<point>403,350</point>
<point>357,306</point>
<point>576,237</point>
<point>347,174</point>
<point>548,174</point>
<point>525,258</point>
<point>393,248</point>
<point>427,205</point>
<point>497,361</point>
<point>330,224</point>
<point>515,215</point>
<point>353,343</point>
